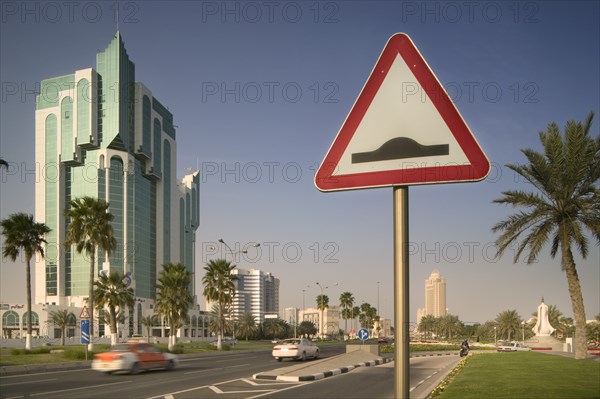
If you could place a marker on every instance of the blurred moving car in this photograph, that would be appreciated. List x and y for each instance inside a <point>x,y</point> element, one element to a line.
<point>133,357</point>
<point>296,348</point>
<point>513,347</point>
<point>383,340</point>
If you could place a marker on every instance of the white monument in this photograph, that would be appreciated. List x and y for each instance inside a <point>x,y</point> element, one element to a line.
<point>542,326</point>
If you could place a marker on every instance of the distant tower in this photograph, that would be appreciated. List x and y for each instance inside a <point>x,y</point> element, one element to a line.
<point>435,295</point>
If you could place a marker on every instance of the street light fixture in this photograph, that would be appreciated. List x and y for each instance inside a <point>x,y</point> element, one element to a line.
<point>322,311</point>
<point>495,337</point>
<point>233,253</point>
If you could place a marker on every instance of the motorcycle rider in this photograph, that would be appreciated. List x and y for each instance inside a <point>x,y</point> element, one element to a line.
<point>464,348</point>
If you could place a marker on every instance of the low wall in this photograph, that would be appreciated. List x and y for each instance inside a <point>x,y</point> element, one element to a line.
<point>374,349</point>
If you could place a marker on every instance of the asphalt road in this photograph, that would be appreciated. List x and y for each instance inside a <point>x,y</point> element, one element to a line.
<point>219,375</point>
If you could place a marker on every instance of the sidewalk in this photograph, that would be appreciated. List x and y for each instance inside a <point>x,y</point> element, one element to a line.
<point>318,369</point>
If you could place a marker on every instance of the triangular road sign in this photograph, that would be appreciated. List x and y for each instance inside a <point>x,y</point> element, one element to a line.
<point>84,313</point>
<point>402,130</point>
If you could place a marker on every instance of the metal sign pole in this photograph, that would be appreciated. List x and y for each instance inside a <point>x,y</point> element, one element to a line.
<point>401,309</point>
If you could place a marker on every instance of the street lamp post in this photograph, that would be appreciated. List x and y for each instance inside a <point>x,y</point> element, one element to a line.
<point>322,311</point>
<point>378,310</point>
<point>495,337</point>
<point>523,330</point>
<point>233,253</point>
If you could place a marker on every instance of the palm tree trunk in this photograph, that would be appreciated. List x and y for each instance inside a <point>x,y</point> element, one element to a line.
<point>91,296</point>
<point>576,300</point>
<point>29,318</point>
<point>321,324</point>
<point>113,326</point>
<point>172,333</point>
<point>345,324</point>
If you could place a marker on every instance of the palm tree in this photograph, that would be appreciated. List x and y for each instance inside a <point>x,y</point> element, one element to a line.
<point>113,292</point>
<point>450,324</point>
<point>346,303</point>
<point>219,286</point>
<point>427,324</point>
<point>148,322</point>
<point>246,324</point>
<point>307,328</point>
<point>566,201</point>
<point>367,316</point>
<point>322,304</point>
<point>220,321</point>
<point>508,323</point>
<point>275,328</point>
<point>355,314</point>
<point>62,319</point>
<point>173,297</point>
<point>23,234</point>
<point>89,229</point>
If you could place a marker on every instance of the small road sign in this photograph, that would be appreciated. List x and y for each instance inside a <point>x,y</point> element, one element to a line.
<point>85,331</point>
<point>84,313</point>
<point>363,334</point>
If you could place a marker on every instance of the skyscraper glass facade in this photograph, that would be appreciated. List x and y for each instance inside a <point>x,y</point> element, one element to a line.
<point>101,134</point>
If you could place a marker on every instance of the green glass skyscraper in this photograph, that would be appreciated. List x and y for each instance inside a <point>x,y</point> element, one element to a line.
<point>100,133</point>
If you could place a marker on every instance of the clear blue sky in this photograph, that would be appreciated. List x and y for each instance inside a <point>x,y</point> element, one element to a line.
<point>259,90</point>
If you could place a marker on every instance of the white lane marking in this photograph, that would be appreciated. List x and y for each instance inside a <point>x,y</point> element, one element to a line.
<point>217,369</point>
<point>172,394</point>
<point>42,373</point>
<point>218,391</point>
<point>265,383</point>
<point>300,384</point>
<point>29,382</point>
<point>81,388</point>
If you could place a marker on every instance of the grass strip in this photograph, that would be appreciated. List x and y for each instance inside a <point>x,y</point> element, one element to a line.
<point>525,375</point>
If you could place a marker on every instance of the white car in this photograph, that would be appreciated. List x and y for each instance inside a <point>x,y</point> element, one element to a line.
<point>513,347</point>
<point>133,357</point>
<point>296,348</point>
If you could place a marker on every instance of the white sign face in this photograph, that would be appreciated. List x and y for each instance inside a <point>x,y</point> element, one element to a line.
<point>402,130</point>
<point>402,124</point>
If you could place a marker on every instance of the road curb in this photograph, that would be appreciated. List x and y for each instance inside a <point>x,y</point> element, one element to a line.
<point>436,354</point>
<point>319,376</point>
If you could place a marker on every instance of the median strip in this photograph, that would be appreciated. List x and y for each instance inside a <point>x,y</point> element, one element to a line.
<point>316,371</point>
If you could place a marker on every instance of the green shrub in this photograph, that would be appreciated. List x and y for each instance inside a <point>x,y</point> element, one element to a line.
<point>77,354</point>
<point>178,349</point>
<point>34,351</point>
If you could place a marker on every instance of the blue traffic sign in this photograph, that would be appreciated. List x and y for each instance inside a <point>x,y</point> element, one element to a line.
<point>85,331</point>
<point>363,334</point>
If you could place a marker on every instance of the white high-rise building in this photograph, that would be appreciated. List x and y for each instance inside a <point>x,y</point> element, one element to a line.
<point>435,297</point>
<point>256,292</point>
